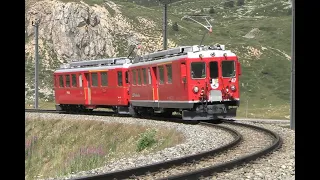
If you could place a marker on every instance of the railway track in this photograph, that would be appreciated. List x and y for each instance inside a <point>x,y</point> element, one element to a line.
<point>203,164</point>
<point>43,111</point>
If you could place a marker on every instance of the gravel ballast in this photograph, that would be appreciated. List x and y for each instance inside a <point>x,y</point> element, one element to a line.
<point>278,165</point>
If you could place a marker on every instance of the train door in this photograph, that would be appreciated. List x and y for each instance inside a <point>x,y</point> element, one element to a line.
<point>155,86</point>
<point>81,89</point>
<point>87,88</point>
<point>183,74</point>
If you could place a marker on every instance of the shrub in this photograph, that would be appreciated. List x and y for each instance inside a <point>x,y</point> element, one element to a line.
<point>211,11</point>
<point>240,2</point>
<point>146,140</point>
<point>229,4</point>
<point>175,26</point>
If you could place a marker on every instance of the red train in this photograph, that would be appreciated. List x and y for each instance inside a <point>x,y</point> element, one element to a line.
<point>202,83</point>
<point>86,85</point>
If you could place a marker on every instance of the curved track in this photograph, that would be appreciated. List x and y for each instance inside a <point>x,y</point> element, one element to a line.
<point>146,171</point>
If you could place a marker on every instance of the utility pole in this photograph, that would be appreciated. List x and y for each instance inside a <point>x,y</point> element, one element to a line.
<point>164,30</point>
<point>36,67</point>
<point>292,103</point>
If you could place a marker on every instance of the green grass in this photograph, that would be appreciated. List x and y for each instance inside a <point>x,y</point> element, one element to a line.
<point>41,104</point>
<point>58,147</point>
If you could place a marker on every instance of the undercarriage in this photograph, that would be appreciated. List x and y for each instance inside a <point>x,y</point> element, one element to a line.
<point>211,111</point>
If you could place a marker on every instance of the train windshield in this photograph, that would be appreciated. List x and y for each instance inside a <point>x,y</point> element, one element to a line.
<point>214,70</point>
<point>198,70</point>
<point>228,69</point>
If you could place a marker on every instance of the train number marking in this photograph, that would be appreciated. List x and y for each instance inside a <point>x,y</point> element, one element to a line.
<point>135,95</point>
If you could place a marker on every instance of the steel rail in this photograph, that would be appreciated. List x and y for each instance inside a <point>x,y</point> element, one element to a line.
<point>209,171</point>
<point>42,110</point>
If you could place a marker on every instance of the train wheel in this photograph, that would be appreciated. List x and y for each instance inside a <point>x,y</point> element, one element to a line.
<point>133,111</point>
<point>115,110</point>
<point>167,113</point>
<point>146,112</point>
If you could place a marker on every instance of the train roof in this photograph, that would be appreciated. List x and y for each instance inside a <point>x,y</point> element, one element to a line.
<point>152,58</point>
<point>182,52</point>
<point>91,65</point>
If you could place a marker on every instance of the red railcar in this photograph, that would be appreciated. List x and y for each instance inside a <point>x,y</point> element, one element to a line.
<point>200,82</point>
<point>86,85</point>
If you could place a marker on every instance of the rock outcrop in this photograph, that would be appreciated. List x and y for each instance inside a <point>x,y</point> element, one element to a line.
<point>76,31</point>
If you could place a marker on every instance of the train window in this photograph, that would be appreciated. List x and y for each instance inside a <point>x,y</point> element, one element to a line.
<point>87,80</point>
<point>198,70</point>
<point>61,81</point>
<point>134,77</point>
<point>80,80</point>
<point>228,69</point>
<point>139,76</point>
<point>169,73</point>
<point>144,71</point>
<point>127,78</point>
<point>94,79</point>
<point>104,78</point>
<point>214,73</point>
<point>74,80</point>
<point>67,80</point>
<point>149,75</point>
<point>119,78</point>
<point>161,74</point>
<point>56,81</point>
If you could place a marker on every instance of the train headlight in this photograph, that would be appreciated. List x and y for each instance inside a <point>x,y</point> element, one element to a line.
<point>202,92</point>
<point>233,88</point>
<point>195,89</point>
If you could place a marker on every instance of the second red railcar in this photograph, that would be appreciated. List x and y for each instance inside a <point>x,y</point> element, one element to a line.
<point>86,85</point>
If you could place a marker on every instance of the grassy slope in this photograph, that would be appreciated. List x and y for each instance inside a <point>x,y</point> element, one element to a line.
<point>265,82</point>
<point>58,147</point>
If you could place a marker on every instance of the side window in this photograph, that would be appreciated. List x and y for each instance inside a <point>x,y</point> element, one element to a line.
<point>56,81</point>
<point>161,74</point>
<point>134,77</point>
<point>94,79</point>
<point>104,78</point>
<point>67,80</point>
<point>127,77</point>
<point>169,73</point>
<point>80,80</point>
<point>144,72</point>
<point>139,76</point>
<point>61,81</point>
<point>120,78</point>
<point>149,75</point>
<point>74,80</point>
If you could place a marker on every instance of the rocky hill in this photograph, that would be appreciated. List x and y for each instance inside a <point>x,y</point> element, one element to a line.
<point>77,31</point>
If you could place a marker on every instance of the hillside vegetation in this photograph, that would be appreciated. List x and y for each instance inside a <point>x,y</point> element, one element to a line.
<point>58,147</point>
<point>258,31</point>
